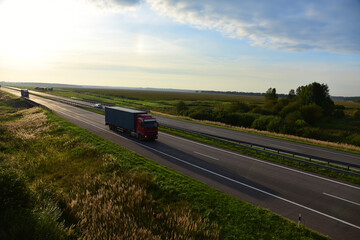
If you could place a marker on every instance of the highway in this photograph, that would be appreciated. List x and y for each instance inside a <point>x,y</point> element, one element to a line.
<point>299,148</point>
<point>295,147</point>
<point>327,206</point>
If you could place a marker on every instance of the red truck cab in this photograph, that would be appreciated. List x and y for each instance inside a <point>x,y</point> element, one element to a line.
<point>146,127</point>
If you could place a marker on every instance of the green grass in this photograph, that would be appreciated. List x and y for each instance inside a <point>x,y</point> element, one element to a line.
<point>264,156</point>
<point>154,100</point>
<point>253,153</point>
<point>226,210</point>
<point>61,157</point>
<point>332,133</point>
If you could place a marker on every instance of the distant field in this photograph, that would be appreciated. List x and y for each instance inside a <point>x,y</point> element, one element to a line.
<point>155,100</point>
<point>236,110</point>
<point>162,95</point>
<point>350,106</point>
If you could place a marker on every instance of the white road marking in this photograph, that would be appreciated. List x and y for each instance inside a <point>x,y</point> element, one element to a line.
<point>227,178</point>
<point>232,180</point>
<point>254,159</point>
<point>355,203</point>
<point>261,161</point>
<point>206,155</point>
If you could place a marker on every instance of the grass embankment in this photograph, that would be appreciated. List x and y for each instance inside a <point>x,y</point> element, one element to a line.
<point>331,145</point>
<point>264,156</point>
<point>253,153</point>
<point>337,130</point>
<point>70,183</point>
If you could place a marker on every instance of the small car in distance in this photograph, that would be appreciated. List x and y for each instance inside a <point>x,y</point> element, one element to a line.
<point>98,105</point>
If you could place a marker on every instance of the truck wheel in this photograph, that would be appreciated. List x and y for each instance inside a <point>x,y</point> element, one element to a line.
<point>140,137</point>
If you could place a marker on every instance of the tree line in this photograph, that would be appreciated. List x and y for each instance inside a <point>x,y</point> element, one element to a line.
<point>298,113</point>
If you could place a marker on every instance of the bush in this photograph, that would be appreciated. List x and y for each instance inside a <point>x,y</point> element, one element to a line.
<point>202,114</point>
<point>261,111</point>
<point>357,114</point>
<point>274,124</point>
<point>293,117</point>
<point>21,217</point>
<point>291,107</point>
<point>341,107</point>
<point>246,119</point>
<point>310,132</point>
<point>14,192</point>
<point>262,122</point>
<point>238,107</point>
<point>300,123</point>
<point>338,113</point>
<point>288,128</point>
<point>311,113</point>
<point>354,139</point>
<point>280,105</point>
<point>181,107</point>
<point>240,119</point>
<point>231,119</point>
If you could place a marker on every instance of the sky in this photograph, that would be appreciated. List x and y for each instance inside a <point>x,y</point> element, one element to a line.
<point>227,45</point>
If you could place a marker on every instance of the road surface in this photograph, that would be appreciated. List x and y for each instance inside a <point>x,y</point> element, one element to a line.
<point>327,206</point>
<point>298,148</point>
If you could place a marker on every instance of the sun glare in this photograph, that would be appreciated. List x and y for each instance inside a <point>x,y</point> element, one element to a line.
<point>32,32</point>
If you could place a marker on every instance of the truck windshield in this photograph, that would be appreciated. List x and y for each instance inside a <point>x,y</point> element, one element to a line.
<point>150,124</point>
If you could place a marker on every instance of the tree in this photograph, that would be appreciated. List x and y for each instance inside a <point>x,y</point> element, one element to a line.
<point>357,114</point>
<point>311,113</point>
<point>318,94</point>
<point>238,107</point>
<point>292,94</point>
<point>181,107</point>
<point>271,94</point>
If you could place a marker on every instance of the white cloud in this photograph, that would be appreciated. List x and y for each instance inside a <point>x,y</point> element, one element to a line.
<point>320,25</point>
<point>115,5</point>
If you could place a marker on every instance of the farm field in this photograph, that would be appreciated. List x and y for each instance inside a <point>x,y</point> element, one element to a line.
<point>251,112</point>
<point>155,100</point>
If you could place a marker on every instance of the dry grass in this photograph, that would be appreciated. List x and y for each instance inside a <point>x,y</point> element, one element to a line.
<point>5,97</point>
<point>121,208</point>
<point>267,133</point>
<point>32,124</point>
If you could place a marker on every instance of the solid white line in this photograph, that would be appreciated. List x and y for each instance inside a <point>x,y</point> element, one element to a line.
<point>230,179</point>
<point>206,155</point>
<point>251,187</point>
<point>261,161</point>
<point>257,160</point>
<point>342,199</point>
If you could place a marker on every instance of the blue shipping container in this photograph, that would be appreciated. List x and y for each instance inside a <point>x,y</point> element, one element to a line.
<point>122,117</point>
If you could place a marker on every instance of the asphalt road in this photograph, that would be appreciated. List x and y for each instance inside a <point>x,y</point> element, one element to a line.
<point>298,148</point>
<point>295,147</point>
<point>327,206</point>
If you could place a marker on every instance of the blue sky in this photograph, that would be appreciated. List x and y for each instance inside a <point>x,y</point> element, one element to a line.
<point>206,44</point>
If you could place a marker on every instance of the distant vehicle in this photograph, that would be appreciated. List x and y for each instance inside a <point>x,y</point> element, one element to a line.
<point>135,122</point>
<point>98,105</point>
<point>24,93</point>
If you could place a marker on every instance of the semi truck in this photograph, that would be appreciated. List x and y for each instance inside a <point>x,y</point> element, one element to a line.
<point>138,123</point>
<point>24,93</point>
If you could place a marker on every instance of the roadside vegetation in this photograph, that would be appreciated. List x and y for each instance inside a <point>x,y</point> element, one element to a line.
<point>265,156</point>
<point>307,113</point>
<point>59,181</point>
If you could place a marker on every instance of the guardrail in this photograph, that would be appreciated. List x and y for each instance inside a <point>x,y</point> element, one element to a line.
<point>311,160</point>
